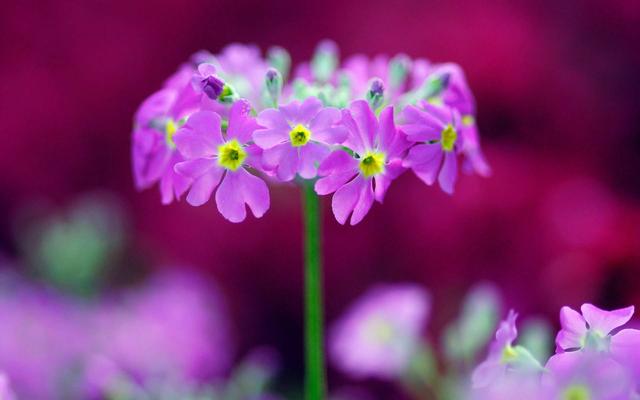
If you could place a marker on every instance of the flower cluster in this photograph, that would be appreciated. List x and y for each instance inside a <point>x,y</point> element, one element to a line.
<point>225,123</point>
<point>382,335</point>
<point>595,359</point>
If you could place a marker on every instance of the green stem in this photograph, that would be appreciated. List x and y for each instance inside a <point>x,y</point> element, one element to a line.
<point>315,379</point>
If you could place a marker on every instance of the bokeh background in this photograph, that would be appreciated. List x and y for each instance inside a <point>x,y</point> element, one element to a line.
<point>557,86</point>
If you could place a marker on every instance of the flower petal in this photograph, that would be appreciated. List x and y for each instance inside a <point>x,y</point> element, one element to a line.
<point>366,121</point>
<point>254,192</point>
<point>449,172</point>
<point>425,161</point>
<point>229,198</point>
<point>173,185</point>
<point>288,164</point>
<point>272,118</point>
<point>625,348</point>
<point>333,182</point>
<point>155,106</point>
<point>486,373</point>
<point>311,155</point>
<point>308,110</point>
<point>606,321</point>
<point>268,138</point>
<point>325,118</point>
<point>345,199</point>
<point>241,124</point>
<point>203,186</point>
<point>383,181</point>
<point>200,136</point>
<point>574,328</point>
<point>365,201</point>
<point>338,161</point>
<point>195,168</point>
<point>388,131</point>
<point>150,156</point>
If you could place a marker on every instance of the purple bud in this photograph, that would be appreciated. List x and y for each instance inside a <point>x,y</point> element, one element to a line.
<point>272,74</point>
<point>375,95</point>
<point>377,87</point>
<point>212,86</point>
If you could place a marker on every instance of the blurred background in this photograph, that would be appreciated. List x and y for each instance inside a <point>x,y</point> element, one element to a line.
<point>558,223</point>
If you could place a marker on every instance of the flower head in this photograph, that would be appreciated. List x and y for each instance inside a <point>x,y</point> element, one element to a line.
<point>363,173</point>
<point>157,120</point>
<point>217,161</point>
<point>175,326</point>
<point>379,333</point>
<point>599,330</point>
<point>504,358</point>
<point>436,133</point>
<point>593,328</point>
<point>296,137</point>
<point>586,376</point>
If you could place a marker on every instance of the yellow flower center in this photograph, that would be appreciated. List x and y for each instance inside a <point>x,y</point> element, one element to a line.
<point>170,129</point>
<point>231,155</point>
<point>379,330</point>
<point>508,354</point>
<point>448,137</point>
<point>299,135</point>
<point>468,120</point>
<point>577,392</point>
<point>372,163</point>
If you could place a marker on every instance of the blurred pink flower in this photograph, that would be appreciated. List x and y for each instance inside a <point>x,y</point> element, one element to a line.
<point>380,333</point>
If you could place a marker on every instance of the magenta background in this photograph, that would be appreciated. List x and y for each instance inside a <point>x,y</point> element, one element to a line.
<point>558,97</point>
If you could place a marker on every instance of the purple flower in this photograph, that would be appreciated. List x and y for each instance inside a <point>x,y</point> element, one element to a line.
<point>206,81</point>
<point>598,329</point>
<point>366,174</point>
<point>380,333</point>
<point>504,358</point>
<point>437,134</point>
<point>154,152</point>
<point>175,326</point>
<point>457,95</point>
<point>297,137</point>
<point>41,338</point>
<point>584,375</point>
<point>592,328</point>
<point>214,161</point>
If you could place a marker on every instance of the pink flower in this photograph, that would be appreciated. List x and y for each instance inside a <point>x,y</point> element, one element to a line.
<point>437,133</point>
<point>153,151</point>
<point>360,177</point>
<point>296,137</point>
<point>217,161</point>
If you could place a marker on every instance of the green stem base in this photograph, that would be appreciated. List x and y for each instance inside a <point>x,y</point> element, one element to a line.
<point>315,376</point>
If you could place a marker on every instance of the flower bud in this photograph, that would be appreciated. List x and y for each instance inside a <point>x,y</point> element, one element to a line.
<point>399,70</point>
<point>273,83</point>
<point>280,59</point>
<point>212,86</point>
<point>375,94</point>
<point>325,60</point>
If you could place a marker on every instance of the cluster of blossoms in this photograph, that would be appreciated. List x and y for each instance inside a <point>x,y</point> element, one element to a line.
<point>382,336</point>
<point>595,359</point>
<point>225,123</point>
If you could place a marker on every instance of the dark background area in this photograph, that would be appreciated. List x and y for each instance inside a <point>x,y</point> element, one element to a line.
<point>557,89</point>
